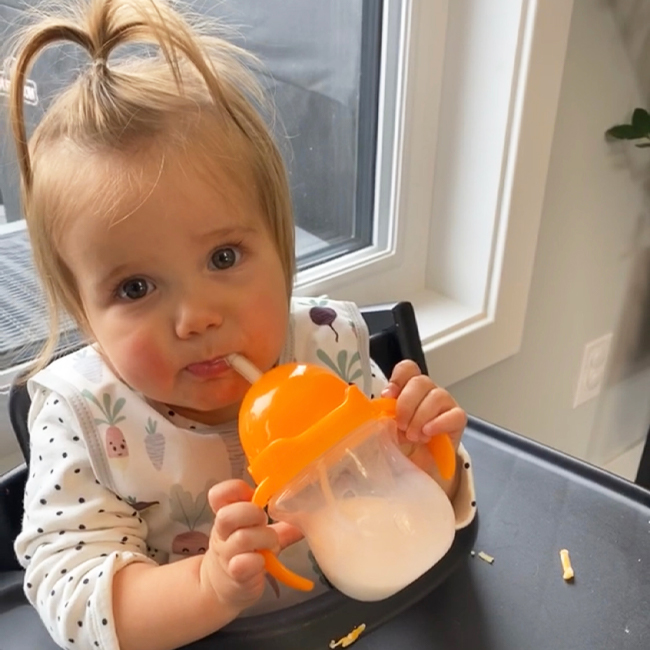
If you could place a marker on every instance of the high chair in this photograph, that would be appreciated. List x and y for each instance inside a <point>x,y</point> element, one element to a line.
<point>311,625</point>
<point>533,502</point>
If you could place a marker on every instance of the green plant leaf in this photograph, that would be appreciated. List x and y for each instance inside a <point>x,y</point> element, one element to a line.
<point>643,146</point>
<point>625,132</point>
<point>203,512</point>
<point>342,361</point>
<point>117,407</point>
<point>91,398</point>
<point>107,405</point>
<point>356,375</point>
<point>181,506</point>
<point>325,358</point>
<point>641,120</point>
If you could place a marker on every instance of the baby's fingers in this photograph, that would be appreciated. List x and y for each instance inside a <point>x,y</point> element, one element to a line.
<point>246,567</point>
<point>227,492</point>
<point>287,534</point>
<point>452,422</point>
<point>248,540</point>
<point>433,403</point>
<point>410,401</point>
<point>402,373</point>
<point>230,518</point>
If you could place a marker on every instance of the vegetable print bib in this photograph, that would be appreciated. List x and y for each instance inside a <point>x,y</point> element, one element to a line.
<point>163,465</point>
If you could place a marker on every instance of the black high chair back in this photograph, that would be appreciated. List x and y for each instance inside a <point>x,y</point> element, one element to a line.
<point>309,626</point>
<point>643,473</point>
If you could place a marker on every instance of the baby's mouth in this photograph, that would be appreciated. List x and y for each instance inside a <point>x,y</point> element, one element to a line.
<point>209,368</point>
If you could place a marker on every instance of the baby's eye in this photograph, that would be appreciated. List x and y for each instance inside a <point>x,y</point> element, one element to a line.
<point>134,289</point>
<point>224,258</point>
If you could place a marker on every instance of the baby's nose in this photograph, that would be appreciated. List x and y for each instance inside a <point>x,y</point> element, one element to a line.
<point>196,317</point>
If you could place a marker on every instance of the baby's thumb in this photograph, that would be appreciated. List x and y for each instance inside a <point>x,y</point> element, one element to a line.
<point>287,534</point>
<point>227,492</point>
<point>391,390</point>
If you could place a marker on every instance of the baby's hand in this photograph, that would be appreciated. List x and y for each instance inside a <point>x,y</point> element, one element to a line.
<point>423,409</point>
<point>231,565</point>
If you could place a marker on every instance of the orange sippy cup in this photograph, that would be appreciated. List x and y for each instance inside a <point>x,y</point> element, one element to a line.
<point>325,459</point>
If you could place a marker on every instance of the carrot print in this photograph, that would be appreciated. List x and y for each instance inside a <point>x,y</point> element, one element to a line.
<point>154,443</point>
<point>115,441</point>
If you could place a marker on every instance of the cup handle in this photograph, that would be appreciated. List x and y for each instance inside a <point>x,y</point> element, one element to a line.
<point>284,575</point>
<point>271,562</point>
<point>440,445</point>
<point>443,452</point>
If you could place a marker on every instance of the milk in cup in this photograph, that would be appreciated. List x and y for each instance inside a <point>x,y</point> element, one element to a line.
<point>374,521</point>
<point>325,458</point>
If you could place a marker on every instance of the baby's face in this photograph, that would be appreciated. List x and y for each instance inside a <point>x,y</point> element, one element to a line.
<point>188,276</point>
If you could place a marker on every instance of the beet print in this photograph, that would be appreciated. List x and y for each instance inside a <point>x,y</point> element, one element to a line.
<point>193,542</point>
<point>324,316</point>
<point>140,505</point>
<point>114,439</point>
<point>191,513</point>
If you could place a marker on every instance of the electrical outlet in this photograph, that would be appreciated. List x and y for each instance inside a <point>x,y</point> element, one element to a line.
<point>592,372</point>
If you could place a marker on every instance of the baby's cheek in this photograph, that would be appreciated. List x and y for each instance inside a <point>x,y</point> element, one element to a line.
<point>143,365</point>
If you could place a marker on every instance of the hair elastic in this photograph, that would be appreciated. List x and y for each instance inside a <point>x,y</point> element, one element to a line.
<point>100,65</point>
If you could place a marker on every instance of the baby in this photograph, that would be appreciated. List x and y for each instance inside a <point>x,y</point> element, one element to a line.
<point>160,218</point>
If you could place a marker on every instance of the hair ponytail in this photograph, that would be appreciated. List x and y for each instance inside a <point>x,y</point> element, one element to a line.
<point>35,39</point>
<point>105,25</point>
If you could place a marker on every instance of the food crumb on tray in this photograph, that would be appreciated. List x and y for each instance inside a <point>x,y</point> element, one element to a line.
<point>568,573</point>
<point>485,557</point>
<point>348,639</point>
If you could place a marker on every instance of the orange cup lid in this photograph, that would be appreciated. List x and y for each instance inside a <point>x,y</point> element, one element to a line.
<point>292,415</point>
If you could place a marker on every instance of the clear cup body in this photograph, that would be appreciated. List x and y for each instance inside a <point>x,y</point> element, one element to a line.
<point>374,521</point>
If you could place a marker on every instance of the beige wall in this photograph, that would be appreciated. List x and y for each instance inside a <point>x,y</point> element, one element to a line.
<point>592,266</point>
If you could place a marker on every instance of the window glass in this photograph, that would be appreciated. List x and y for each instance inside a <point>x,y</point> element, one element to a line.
<point>322,70</point>
<point>321,66</point>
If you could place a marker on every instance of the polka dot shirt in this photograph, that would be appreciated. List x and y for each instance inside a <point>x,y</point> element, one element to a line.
<point>76,533</point>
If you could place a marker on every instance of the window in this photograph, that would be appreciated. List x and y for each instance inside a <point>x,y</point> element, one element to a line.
<point>468,96</point>
<point>323,69</point>
<point>419,135</point>
<point>321,65</point>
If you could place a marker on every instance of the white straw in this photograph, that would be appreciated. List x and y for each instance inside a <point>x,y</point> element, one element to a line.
<point>244,367</point>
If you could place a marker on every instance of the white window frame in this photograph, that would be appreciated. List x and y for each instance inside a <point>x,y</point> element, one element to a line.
<point>474,101</point>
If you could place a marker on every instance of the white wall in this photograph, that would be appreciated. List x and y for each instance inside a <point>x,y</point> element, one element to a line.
<point>592,266</point>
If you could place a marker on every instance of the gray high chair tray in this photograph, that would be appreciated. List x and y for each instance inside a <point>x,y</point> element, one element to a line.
<point>533,501</point>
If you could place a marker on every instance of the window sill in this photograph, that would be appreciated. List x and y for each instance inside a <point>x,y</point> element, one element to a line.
<point>470,155</point>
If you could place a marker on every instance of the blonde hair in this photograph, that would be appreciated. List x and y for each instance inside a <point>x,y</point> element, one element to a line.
<point>197,89</point>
